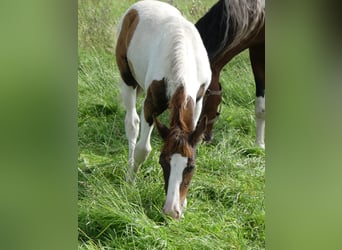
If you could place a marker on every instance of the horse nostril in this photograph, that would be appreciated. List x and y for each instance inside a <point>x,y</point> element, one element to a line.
<point>208,137</point>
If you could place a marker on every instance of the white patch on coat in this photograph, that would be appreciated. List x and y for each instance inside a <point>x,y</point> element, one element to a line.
<point>172,49</point>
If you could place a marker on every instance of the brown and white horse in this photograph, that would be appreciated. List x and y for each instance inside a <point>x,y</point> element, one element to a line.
<point>162,53</point>
<point>227,29</point>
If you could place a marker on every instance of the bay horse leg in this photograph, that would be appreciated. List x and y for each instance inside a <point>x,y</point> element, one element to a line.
<point>257,57</point>
<point>129,97</point>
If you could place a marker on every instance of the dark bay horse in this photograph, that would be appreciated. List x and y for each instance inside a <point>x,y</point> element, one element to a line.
<point>162,53</point>
<point>227,29</point>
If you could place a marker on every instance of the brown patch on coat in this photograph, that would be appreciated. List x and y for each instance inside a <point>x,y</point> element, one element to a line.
<point>128,27</point>
<point>156,101</point>
<point>182,111</point>
<point>177,142</point>
<point>187,176</point>
<point>181,125</point>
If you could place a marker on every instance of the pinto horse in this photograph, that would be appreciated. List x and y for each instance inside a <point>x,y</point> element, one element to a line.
<point>162,53</point>
<point>227,29</point>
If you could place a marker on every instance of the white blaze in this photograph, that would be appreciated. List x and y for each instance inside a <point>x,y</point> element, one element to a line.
<point>177,165</point>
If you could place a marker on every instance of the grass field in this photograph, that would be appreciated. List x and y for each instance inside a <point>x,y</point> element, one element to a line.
<point>226,207</point>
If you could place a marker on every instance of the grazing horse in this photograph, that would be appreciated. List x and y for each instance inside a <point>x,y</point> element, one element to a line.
<point>162,53</point>
<point>227,29</point>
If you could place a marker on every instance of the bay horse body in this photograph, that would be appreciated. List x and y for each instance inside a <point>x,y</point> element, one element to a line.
<point>160,52</point>
<point>227,29</point>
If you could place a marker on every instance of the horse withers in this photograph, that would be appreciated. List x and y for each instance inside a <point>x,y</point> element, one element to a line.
<point>160,52</point>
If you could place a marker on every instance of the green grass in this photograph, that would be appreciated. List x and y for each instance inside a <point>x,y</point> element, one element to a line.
<point>226,198</point>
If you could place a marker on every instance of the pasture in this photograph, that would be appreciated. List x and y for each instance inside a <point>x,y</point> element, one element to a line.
<point>226,203</point>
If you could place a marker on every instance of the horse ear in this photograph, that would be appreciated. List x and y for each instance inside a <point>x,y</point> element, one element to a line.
<point>196,136</point>
<point>162,129</point>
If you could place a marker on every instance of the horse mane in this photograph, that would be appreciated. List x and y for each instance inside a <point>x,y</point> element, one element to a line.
<point>177,56</point>
<point>182,111</point>
<point>181,123</point>
<point>181,105</point>
<point>229,22</point>
<point>178,142</point>
<point>244,16</point>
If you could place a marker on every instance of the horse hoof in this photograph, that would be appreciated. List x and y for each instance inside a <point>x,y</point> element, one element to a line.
<point>173,214</point>
<point>261,145</point>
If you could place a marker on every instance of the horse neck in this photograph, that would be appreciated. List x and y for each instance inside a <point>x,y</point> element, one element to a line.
<point>228,23</point>
<point>212,28</point>
<point>182,111</point>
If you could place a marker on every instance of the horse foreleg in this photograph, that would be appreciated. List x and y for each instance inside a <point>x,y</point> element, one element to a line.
<point>156,102</point>
<point>260,121</point>
<point>143,147</point>
<point>198,110</point>
<point>129,96</point>
<point>257,57</point>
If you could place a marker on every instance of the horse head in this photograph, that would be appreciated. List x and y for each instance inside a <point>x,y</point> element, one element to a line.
<point>177,160</point>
